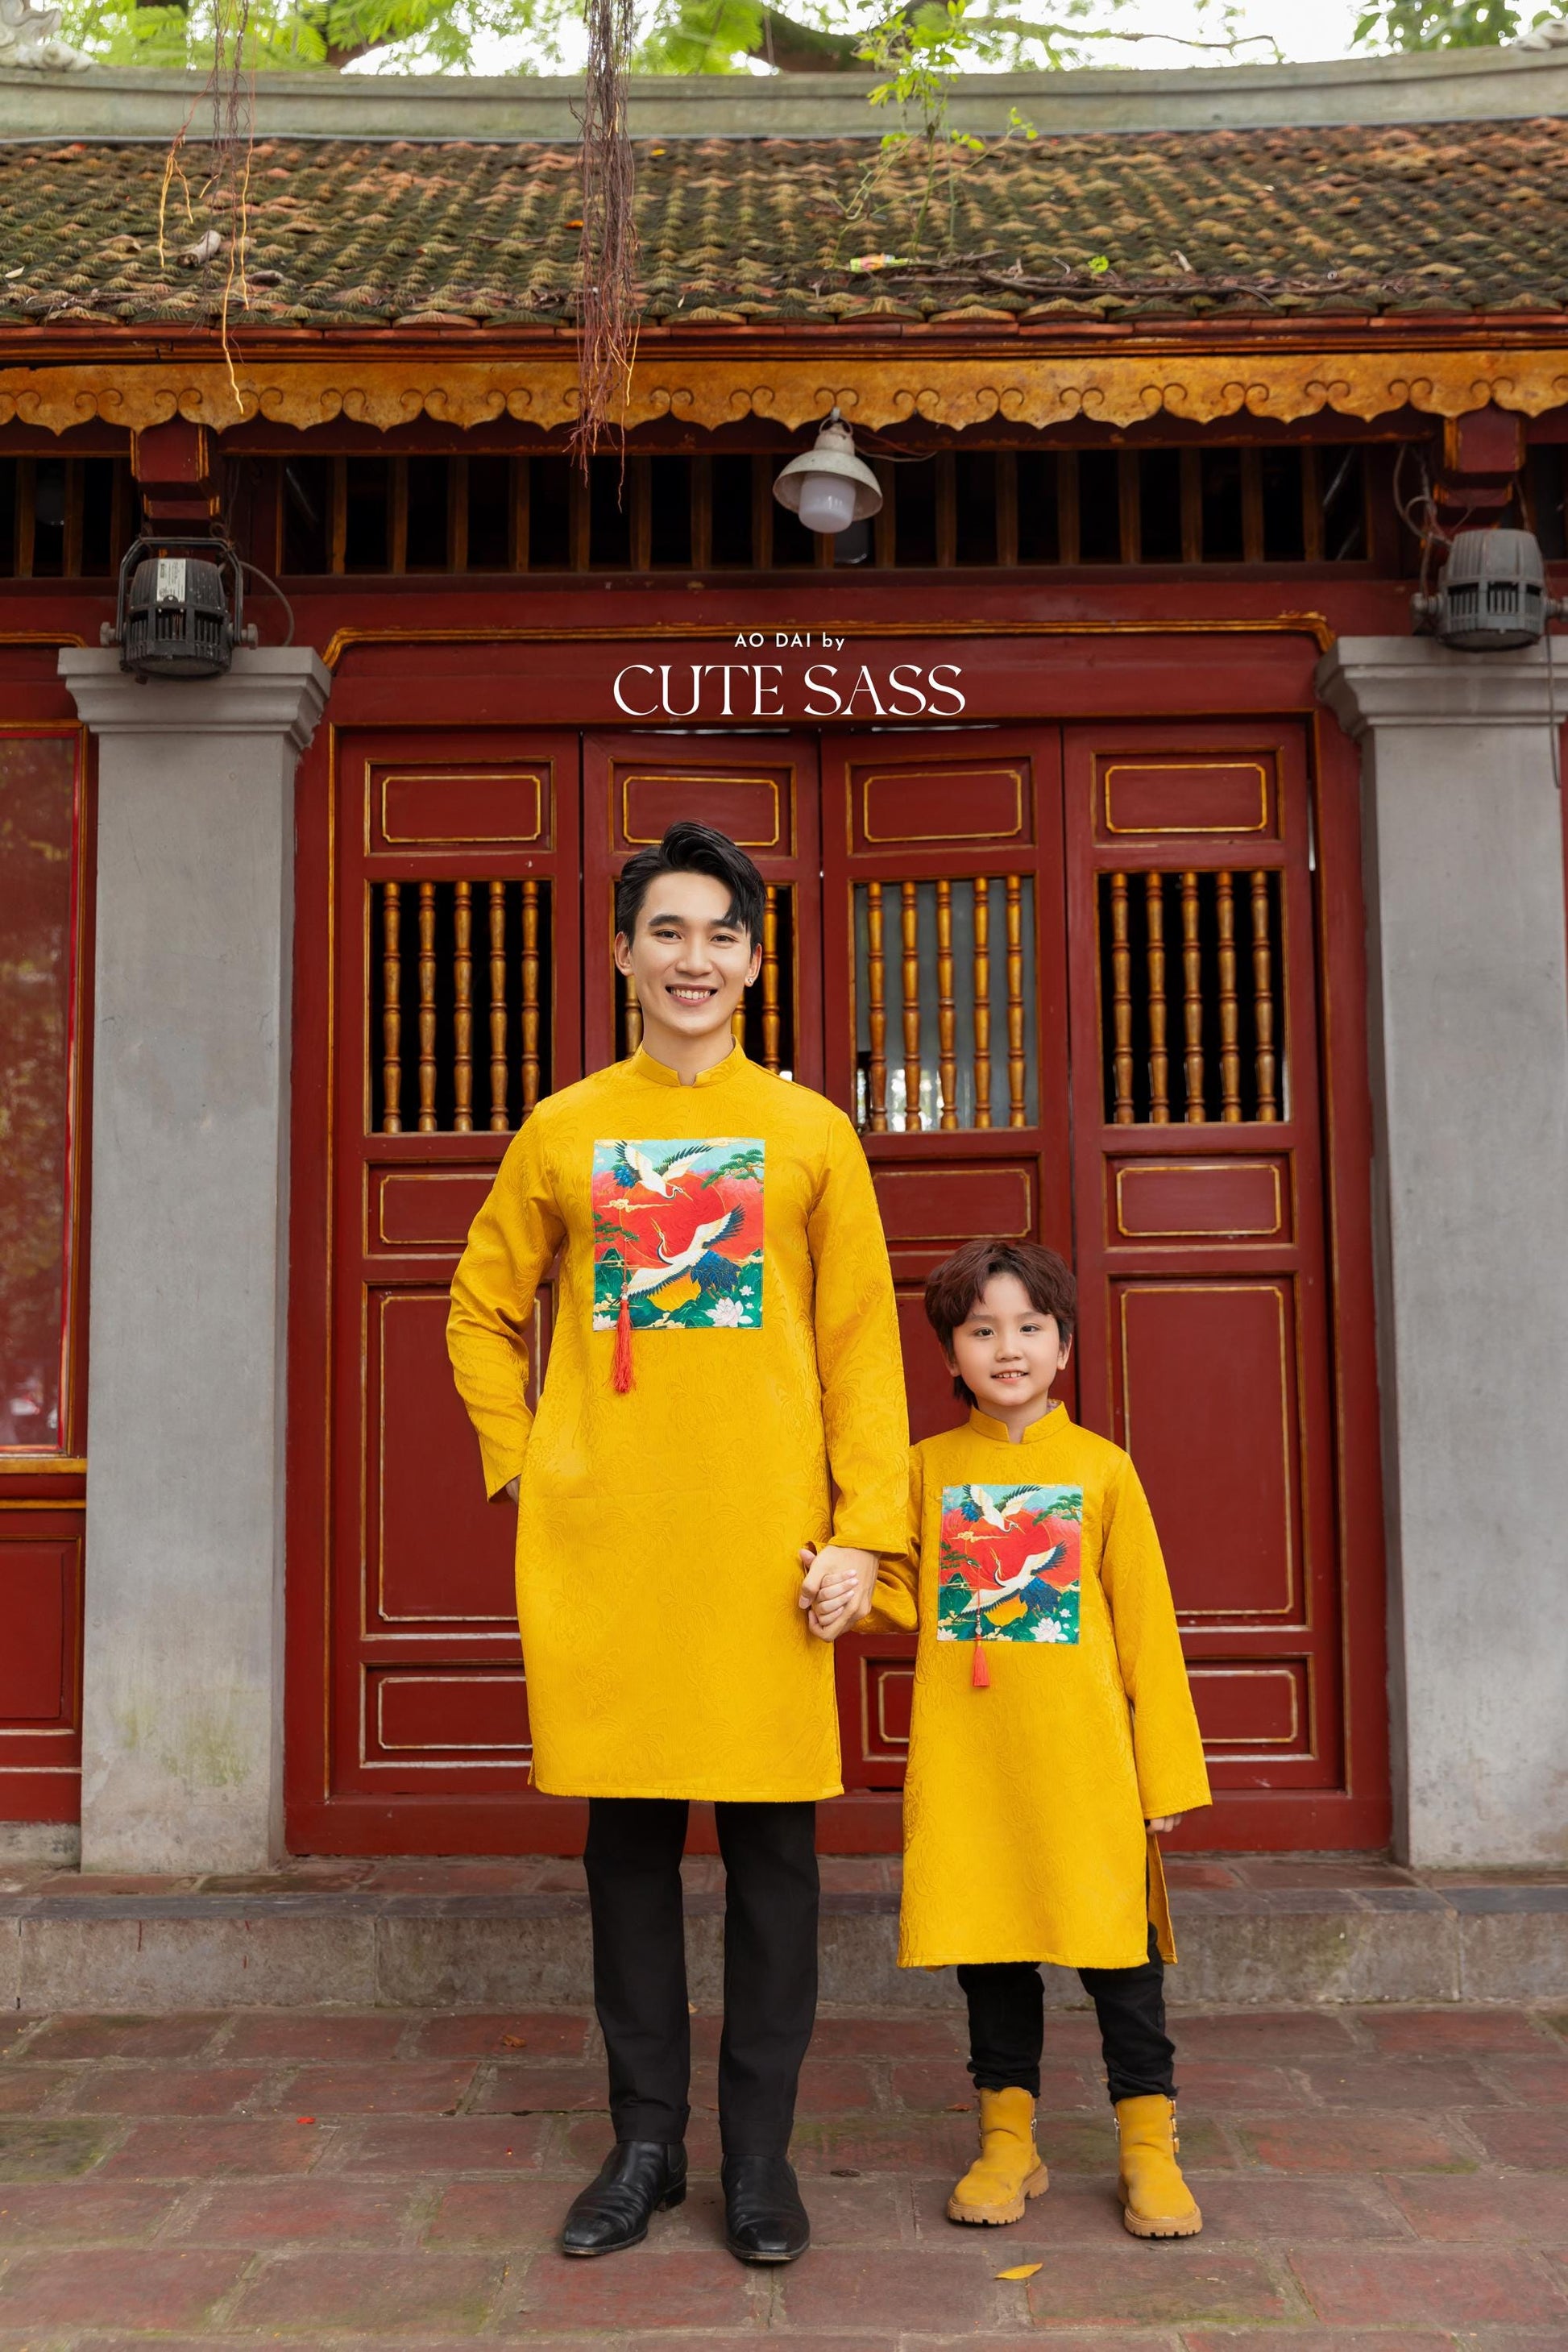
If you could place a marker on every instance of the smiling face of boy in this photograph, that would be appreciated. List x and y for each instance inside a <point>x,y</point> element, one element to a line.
<point>1009,1353</point>
<point>692,963</point>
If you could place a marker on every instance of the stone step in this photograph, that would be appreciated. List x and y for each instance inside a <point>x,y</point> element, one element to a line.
<point>433,1933</point>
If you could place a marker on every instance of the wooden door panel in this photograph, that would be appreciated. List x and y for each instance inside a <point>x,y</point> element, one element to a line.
<point>462,804</point>
<point>1216,1458</point>
<point>900,800</point>
<point>424,1208</point>
<point>1186,792</point>
<point>1261,1713</point>
<point>37,1594</point>
<point>1177,1202</point>
<point>40,1657</point>
<point>429,1716</point>
<point>876,1677</point>
<point>441,1554</point>
<point>928,1210</point>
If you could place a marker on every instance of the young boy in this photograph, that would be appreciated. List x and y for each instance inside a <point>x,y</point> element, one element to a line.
<point>1053,1733</point>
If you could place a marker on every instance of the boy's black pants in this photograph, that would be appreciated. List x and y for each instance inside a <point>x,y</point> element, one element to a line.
<point>1007,2025</point>
<point>633,1862</point>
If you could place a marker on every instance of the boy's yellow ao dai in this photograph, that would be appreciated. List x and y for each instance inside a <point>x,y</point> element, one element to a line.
<point>1026,1797</point>
<point>731,1231</point>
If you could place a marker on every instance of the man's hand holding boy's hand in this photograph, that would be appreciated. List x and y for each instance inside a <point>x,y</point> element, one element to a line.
<point>837,1588</point>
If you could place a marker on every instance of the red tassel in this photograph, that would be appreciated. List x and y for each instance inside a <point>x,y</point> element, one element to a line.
<point>623,1375</point>
<point>980,1676</point>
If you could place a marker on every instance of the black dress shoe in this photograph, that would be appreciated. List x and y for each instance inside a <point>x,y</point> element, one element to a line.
<point>637,2178</point>
<point>764,2220</point>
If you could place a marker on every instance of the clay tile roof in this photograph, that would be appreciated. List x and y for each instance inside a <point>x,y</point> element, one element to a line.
<point>1461,217</point>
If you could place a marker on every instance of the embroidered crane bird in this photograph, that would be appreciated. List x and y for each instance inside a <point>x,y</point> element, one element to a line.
<point>634,1168</point>
<point>1002,1521</point>
<point>1034,1570</point>
<point>694,1258</point>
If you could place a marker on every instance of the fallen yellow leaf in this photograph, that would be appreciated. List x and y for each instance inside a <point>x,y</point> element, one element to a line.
<point>1021,2270</point>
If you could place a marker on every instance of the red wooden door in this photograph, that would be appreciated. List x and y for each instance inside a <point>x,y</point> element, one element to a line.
<point>455,908</point>
<point>1205,1347</point>
<point>1025,958</point>
<point>946,996</point>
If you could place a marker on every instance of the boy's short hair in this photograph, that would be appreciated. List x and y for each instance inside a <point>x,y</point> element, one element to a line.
<point>688,847</point>
<point>952,1290</point>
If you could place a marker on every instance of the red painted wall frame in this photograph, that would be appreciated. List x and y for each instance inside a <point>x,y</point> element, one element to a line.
<point>1261,668</point>
<point>42,1494</point>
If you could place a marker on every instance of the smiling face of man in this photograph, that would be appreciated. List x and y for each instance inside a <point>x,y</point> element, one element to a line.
<point>691,963</point>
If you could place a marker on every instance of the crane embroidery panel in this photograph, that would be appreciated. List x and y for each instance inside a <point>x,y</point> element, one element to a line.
<point>1007,1569</point>
<point>678,1233</point>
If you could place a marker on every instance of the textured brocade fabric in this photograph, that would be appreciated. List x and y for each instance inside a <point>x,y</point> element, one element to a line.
<point>658,1529</point>
<point>1026,1801</point>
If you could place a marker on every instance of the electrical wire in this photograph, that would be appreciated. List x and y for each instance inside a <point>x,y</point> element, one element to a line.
<point>246,565</point>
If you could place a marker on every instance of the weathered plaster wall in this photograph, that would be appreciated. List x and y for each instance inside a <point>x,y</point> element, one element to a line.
<point>1432,86</point>
<point>183,1657</point>
<point>1470,1081</point>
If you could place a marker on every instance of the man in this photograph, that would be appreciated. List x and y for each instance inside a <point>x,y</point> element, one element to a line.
<point>724,1393</point>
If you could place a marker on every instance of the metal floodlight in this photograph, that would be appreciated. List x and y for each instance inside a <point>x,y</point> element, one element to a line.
<point>829,488</point>
<point>172,616</point>
<point>1491,597</point>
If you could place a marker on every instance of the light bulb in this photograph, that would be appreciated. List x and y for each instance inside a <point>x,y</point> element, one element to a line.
<point>826,502</point>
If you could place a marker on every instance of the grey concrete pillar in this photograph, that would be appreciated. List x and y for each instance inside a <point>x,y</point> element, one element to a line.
<point>184,1652</point>
<point>1469,1013</point>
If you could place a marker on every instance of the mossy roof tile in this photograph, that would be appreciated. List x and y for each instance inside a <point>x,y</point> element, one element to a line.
<point>1463,216</point>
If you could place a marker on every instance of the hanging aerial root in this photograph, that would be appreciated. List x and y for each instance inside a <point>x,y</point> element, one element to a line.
<point>607,250</point>
<point>226,192</point>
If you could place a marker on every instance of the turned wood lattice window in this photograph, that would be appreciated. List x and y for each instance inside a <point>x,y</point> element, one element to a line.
<point>764,1023</point>
<point>462,994</point>
<point>964,507</point>
<point>945,1005</point>
<point>1192,997</point>
<point>64,517</point>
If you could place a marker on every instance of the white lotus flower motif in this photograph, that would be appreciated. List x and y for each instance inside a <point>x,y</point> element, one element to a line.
<point>730,1312</point>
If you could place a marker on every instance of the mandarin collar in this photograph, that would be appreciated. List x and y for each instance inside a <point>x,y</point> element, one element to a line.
<point>644,1066</point>
<point>1055,1417</point>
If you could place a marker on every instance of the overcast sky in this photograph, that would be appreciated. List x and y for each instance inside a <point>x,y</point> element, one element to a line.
<point>1302,28</point>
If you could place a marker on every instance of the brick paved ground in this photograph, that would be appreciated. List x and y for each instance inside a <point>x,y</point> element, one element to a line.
<point>1375,2180</point>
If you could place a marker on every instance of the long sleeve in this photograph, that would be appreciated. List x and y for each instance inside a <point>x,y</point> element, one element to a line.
<point>511,1245</point>
<point>858,1358</point>
<point>1166,1746</point>
<point>895,1605</point>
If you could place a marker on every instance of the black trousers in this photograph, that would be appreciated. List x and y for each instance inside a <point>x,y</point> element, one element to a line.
<point>633,1862</point>
<point>1007,2025</point>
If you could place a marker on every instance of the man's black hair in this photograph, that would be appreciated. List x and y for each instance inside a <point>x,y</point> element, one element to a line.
<point>691,848</point>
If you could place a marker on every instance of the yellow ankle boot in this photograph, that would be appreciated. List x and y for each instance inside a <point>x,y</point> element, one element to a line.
<point>1007,2168</point>
<point>1156,2202</point>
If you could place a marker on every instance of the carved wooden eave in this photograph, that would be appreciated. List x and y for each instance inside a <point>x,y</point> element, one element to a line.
<point>878,384</point>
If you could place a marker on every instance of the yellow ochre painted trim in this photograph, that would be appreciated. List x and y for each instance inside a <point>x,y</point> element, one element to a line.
<point>1117,387</point>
